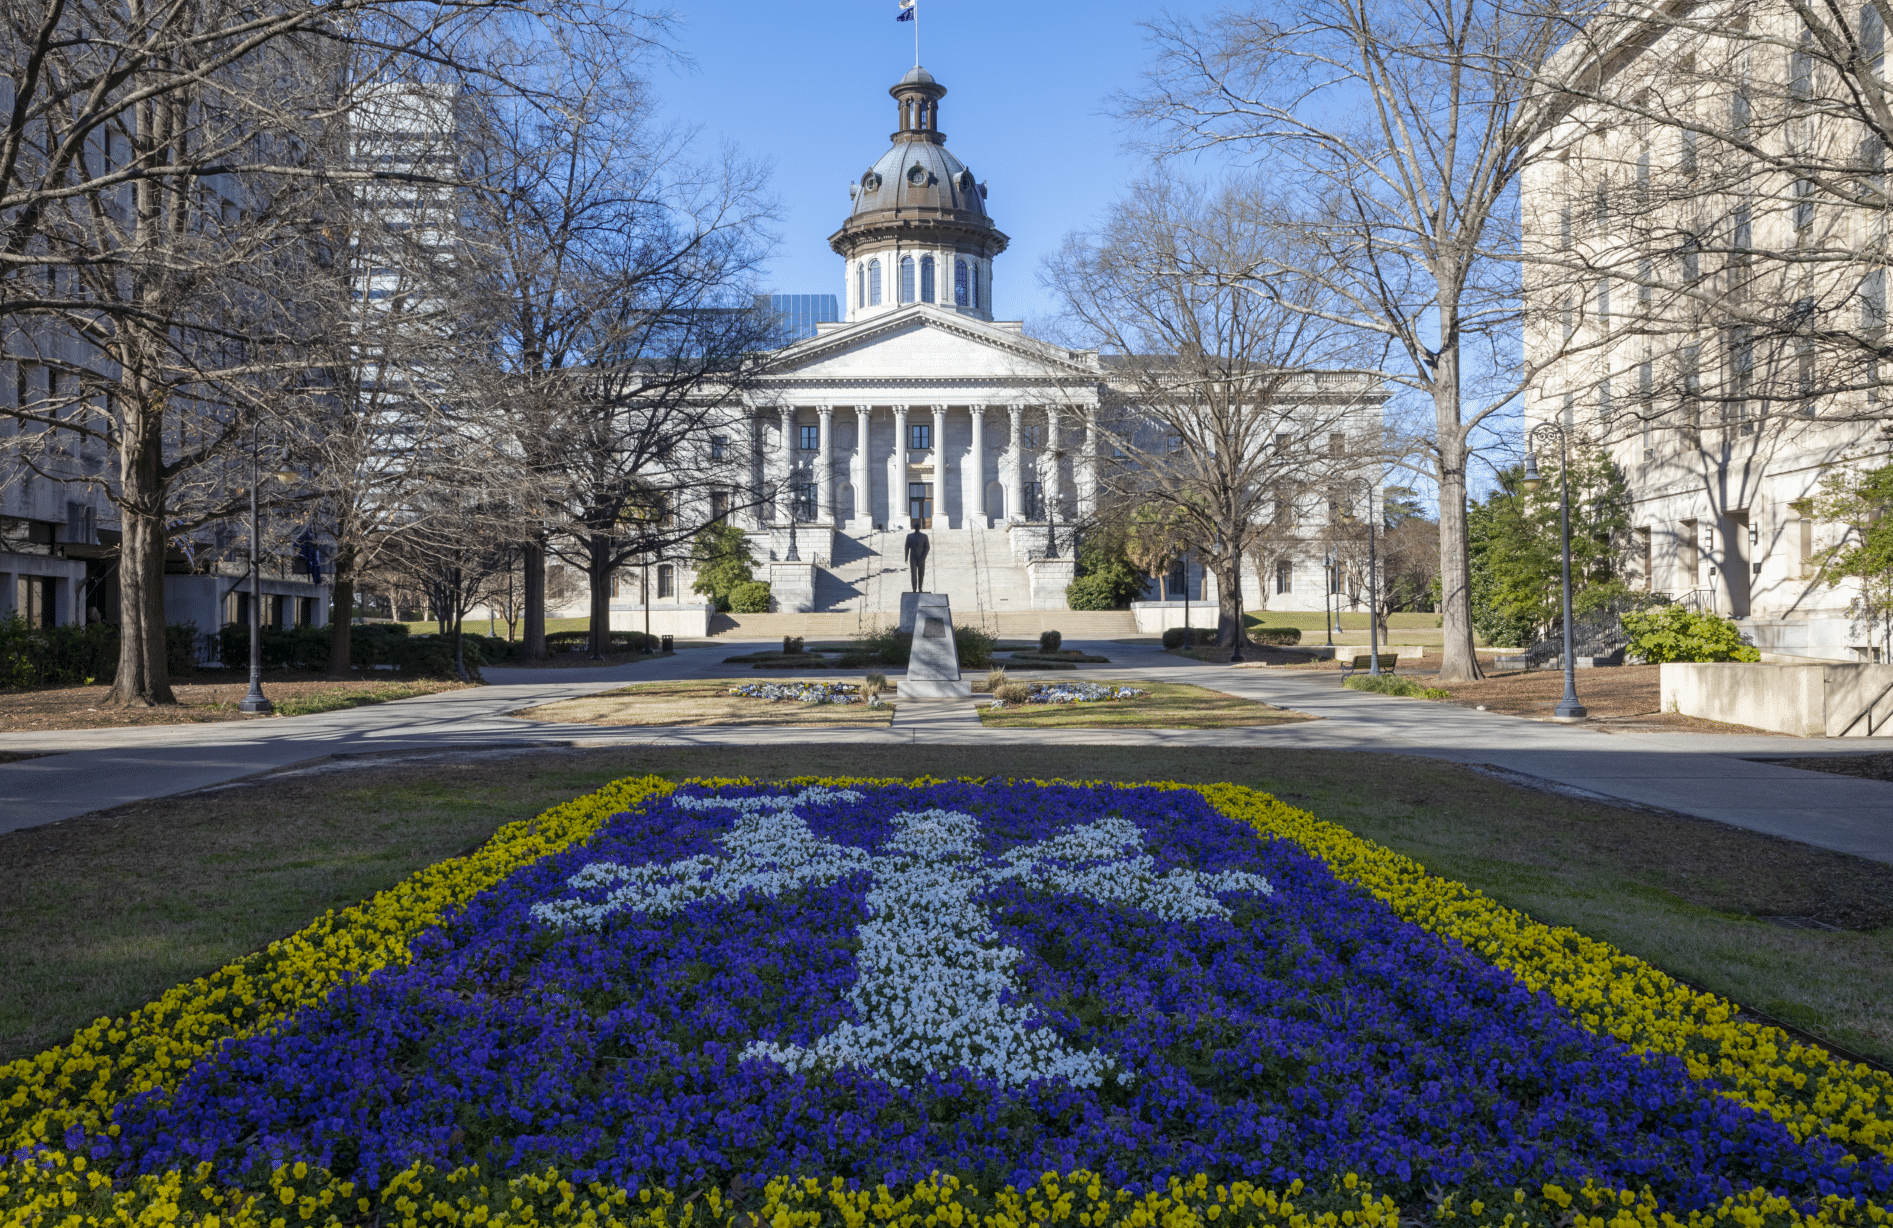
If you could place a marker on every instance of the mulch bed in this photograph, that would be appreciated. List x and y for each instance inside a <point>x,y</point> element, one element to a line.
<point>1868,767</point>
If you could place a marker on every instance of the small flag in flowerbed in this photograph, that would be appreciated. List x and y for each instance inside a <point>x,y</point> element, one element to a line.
<point>991,1003</point>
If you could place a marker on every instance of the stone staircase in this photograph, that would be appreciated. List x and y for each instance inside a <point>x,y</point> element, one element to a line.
<point>859,586</point>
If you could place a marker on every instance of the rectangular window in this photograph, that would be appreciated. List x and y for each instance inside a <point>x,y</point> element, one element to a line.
<point>666,582</point>
<point>717,445</point>
<point>1645,291</point>
<point>1692,395</point>
<point>1644,561</point>
<point>1564,229</point>
<point>1801,69</point>
<point>1742,230</point>
<point>1646,409</point>
<point>1568,322</point>
<point>1643,178</point>
<point>1804,375</point>
<point>1686,158</point>
<point>920,436</point>
<point>1600,205</point>
<point>802,501</point>
<point>1692,259</point>
<point>1033,497</point>
<point>1603,304</point>
<point>907,279</point>
<point>1282,439</point>
<point>1284,577</point>
<point>926,279</point>
<point>719,504</point>
<point>1604,407</point>
<point>1741,379</point>
<point>1741,112</point>
<point>1873,302</point>
<point>1803,207</point>
<point>811,438</point>
<point>1570,412</point>
<point>1337,444</point>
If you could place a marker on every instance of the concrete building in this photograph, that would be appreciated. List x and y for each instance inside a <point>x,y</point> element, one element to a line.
<point>1663,274</point>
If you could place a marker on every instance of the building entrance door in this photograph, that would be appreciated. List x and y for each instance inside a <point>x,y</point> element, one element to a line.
<point>920,503</point>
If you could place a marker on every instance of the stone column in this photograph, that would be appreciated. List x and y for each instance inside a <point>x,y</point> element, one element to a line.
<point>825,468</point>
<point>785,489</point>
<point>1054,481</point>
<point>976,501</point>
<point>897,473</point>
<point>1015,465</point>
<point>940,453</point>
<point>1086,474</point>
<point>858,469</point>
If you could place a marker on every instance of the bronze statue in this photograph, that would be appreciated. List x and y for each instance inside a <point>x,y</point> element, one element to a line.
<point>917,547</point>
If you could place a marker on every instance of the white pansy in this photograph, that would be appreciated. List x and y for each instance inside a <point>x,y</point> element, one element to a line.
<point>771,851</point>
<point>934,986</point>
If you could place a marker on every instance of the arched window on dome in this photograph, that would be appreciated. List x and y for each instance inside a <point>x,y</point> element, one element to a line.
<point>926,279</point>
<point>959,283</point>
<point>860,285</point>
<point>874,283</point>
<point>906,279</point>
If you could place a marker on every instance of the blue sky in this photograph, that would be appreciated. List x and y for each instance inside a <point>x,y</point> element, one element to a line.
<point>804,84</point>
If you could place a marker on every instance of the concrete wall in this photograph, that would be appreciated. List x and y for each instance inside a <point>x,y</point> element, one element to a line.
<point>1807,701</point>
<point>1156,617</point>
<point>689,620</point>
<point>67,576</point>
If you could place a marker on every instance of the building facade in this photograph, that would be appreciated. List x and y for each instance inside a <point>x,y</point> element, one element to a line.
<point>1677,291</point>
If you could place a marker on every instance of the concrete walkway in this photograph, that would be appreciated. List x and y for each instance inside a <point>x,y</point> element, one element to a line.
<point>1707,775</point>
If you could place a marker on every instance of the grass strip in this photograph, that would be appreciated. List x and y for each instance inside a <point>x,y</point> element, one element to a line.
<point>1170,705</point>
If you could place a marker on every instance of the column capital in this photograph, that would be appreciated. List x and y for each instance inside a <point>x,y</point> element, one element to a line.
<point>825,410</point>
<point>977,411</point>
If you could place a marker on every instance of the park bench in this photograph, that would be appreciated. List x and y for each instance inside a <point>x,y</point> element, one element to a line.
<point>1365,662</point>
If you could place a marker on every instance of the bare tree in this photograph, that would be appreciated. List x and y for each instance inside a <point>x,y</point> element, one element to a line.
<point>165,177</point>
<point>613,278</point>
<point>1233,403</point>
<point>1405,127</point>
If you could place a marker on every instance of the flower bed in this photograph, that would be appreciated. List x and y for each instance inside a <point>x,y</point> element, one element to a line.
<point>851,1002</point>
<point>802,692</point>
<point>1073,693</point>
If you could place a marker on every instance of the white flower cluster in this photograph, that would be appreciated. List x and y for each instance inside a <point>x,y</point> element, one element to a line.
<point>934,987</point>
<point>771,850</point>
<point>1104,860</point>
<point>1073,692</point>
<point>934,982</point>
<point>800,692</point>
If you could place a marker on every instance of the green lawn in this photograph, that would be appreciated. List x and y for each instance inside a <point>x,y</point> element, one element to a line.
<point>429,626</point>
<point>102,913</point>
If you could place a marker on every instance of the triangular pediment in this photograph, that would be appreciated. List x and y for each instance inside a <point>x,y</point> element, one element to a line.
<point>925,343</point>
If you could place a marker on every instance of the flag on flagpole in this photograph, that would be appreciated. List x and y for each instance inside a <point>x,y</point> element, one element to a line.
<point>906,10</point>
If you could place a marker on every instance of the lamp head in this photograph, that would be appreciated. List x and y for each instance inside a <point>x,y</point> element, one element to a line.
<point>1533,479</point>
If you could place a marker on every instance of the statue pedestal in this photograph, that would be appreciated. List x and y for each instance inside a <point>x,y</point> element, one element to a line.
<point>933,666</point>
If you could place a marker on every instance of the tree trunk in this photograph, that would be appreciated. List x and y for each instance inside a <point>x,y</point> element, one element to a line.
<point>535,612</point>
<point>1229,628</point>
<point>1458,662</point>
<point>342,616</point>
<point>598,568</point>
<point>142,680</point>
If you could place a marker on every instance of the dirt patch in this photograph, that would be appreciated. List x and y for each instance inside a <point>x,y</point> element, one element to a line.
<point>705,702</point>
<point>83,707</point>
<point>1867,767</point>
<point>1624,698</point>
<point>1170,705</point>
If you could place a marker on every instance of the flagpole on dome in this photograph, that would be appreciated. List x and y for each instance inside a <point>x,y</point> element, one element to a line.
<point>910,11</point>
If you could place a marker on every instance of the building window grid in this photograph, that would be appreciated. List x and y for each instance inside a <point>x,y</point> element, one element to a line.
<point>959,283</point>
<point>809,438</point>
<point>920,437</point>
<point>1284,577</point>
<point>874,283</point>
<point>906,279</point>
<point>926,279</point>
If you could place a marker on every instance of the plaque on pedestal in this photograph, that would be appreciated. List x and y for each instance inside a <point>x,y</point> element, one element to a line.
<point>933,666</point>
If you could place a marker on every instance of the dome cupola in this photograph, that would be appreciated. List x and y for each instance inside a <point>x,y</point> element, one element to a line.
<point>918,231</point>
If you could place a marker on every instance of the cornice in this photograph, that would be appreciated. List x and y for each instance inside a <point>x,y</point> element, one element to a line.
<point>899,321</point>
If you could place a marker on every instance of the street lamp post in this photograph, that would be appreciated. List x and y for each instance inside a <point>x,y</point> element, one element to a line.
<point>1568,709</point>
<point>255,701</point>
<point>1327,595</point>
<point>1373,587</point>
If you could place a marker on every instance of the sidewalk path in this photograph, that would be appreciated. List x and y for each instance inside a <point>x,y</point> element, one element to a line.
<point>1707,775</point>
